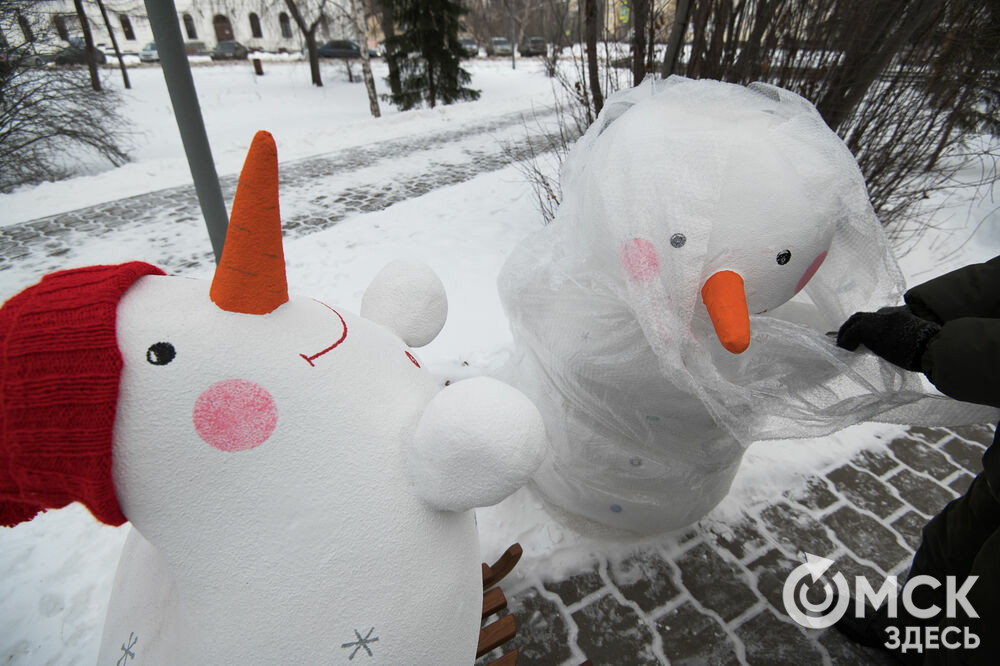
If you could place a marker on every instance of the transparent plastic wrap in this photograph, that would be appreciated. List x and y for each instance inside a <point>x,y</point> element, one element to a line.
<point>678,180</point>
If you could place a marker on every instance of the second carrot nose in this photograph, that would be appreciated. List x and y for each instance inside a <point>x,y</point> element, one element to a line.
<point>725,298</point>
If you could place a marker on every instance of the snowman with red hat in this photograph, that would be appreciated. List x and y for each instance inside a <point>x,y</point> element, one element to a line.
<point>298,486</point>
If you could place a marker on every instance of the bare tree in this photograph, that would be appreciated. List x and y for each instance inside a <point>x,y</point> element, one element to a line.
<point>682,15</point>
<point>640,17</point>
<point>114,43</point>
<point>590,20</point>
<point>308,30</point>
<point>360,22</point>
<point>88,40</point>
<point>51,119</point>
<point>389,30</point>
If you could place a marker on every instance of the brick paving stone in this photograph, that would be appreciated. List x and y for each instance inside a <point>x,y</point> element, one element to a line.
<point>866,537</point>
<point>542,636</point>
<point>576,587</point>
<point>865,490</point>
<point>960,484</point>
<point>910,526</point>
<point>930,435</point>
<point>799,531</point>
<point>877,462</point>
<point>966,454</point>
<point>851,569</point>
<point>816,494</point>
<point>740,539</point>
<point>687,536</point>
<point>645,578</point>
<point>715,583</point>
<point>773,642</point>
<point>922,458</point>
<point>983,434</point>
<point>690,637</point>
<point>920,492</point>
<point>771,570</point>
<point>613,634</point>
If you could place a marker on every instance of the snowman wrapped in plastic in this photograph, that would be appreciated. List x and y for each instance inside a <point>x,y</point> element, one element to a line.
<point>675,310</point>
<point>299,487</point>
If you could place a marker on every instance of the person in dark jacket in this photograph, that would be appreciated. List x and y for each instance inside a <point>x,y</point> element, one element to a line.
<point>949,329</point>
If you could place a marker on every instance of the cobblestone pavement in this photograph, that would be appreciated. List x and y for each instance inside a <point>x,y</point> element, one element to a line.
<point>316,192</point>
<point>708,597</point>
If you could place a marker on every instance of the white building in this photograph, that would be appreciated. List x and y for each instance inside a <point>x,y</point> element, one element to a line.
<point>264,25</point>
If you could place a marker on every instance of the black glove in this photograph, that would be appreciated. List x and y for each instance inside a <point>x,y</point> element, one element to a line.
<point>895,334</point>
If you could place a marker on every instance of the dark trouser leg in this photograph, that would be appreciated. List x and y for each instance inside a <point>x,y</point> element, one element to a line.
<point>952,541</point>
<point>984,597</point>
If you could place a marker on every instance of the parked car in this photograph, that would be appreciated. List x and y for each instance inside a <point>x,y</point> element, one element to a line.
<point>343,49</point>
<point>230,50</point>
<point>532,46</point>
<point>18,56</point>
<point>76,54</point>
<point>469,46</point>
<point>499,46</point>
<point>196,48</point>
<point>148,53</point>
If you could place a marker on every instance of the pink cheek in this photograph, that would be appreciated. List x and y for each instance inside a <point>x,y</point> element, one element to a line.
<point>639,259</point>
<point>235,415</point>
<point>813,267</point>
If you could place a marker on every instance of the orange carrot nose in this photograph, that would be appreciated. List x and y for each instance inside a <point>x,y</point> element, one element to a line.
<point>250,277</point>
<point>726,301</point>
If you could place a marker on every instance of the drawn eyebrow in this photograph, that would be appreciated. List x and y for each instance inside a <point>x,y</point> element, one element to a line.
<point>310,359</point>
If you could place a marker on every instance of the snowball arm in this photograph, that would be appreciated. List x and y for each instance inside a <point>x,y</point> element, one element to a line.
<point>408,298</point>
<point>477,442</point>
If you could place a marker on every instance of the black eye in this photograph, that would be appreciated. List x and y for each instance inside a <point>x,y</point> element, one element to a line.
<point>161,353</point>
<point>678,240</point>
<point>784,256</point>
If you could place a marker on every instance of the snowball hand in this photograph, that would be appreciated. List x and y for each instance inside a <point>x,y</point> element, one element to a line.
<point>895,334</point>
<point>477,442</point>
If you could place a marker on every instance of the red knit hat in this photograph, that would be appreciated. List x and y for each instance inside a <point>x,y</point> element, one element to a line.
<point>59,374</point>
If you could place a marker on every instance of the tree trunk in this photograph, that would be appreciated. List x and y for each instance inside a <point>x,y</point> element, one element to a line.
<point>389,30</point>
<point>682,15</point>
<point>309,34</point>
<point>114,43</point>
<point>431,87</point>
<point>361,35</point>
<point>88,39</point>
<point>590,26</point>
<point>651,39</point>
<point>640,17</point>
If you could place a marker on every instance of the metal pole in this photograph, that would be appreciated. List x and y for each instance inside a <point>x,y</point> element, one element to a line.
<point>183,97</point>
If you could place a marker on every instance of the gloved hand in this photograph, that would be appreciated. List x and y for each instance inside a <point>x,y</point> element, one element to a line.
<point>895,334</point>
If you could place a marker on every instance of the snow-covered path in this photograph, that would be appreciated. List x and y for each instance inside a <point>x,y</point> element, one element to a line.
<point>316,193</point>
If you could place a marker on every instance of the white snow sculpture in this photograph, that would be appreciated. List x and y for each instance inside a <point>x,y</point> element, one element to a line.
<point>649,317</point>
<point>261,453</point>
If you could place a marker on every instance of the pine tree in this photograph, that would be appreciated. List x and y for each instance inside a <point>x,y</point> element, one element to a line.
<point>427,54</point>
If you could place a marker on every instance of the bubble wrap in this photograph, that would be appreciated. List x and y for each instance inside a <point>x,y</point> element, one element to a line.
<point>647,414</point>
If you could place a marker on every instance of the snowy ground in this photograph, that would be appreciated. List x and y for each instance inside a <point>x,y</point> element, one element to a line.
<point>58,568</point>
